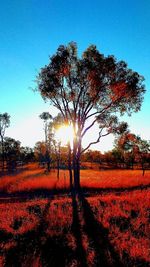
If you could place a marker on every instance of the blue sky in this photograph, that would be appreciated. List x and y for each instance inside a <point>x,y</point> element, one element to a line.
<point>31,31</point>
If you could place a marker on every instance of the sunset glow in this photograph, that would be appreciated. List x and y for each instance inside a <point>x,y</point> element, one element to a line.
<point>65,134</point>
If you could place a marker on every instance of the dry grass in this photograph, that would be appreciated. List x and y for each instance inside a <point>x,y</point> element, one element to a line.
<point>127,218</point>
<point>38,232</point>
<point>35,178</point>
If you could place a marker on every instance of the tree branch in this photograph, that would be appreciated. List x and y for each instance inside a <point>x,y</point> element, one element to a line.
<point>101,111</point>
<point>88,127</point>
<point>95,142</point>
<point>57,105</point>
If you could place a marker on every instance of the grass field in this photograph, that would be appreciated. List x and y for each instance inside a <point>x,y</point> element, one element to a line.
<point>107,225</point>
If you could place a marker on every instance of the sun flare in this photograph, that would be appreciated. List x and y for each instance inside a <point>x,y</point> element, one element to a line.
<point>65,134</point>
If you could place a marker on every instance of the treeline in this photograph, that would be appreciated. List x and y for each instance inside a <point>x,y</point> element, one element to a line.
<point>115,159</point>
<point>127,155</point>
<point>12,154</point>
<point>130,151</point>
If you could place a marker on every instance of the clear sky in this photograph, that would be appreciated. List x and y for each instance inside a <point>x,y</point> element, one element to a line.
<point>31,31</point>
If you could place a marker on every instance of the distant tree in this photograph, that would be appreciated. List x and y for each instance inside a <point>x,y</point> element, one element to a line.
<point>117,157</point>
<point>4,123</point>
<point>134,148</point>
<point>127,145</point>
<point>39,152</point>
<point>109,159</point>
<point>89,90</point>
<point>46,117</point>
<point>12,152</point>
<point>26,154</point>
<point>92,156</point>
<point>142,152</point>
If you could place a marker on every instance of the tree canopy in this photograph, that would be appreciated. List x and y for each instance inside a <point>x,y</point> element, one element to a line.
<point>88,90</point>
<point>4,123</point>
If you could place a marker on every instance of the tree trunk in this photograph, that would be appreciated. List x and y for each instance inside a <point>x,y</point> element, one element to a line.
<point>69,166</point>
<point>76,164</point>
<point>58,167</point>
<point>3,154</point>
<point>143,168</point>
<point>76,170</point>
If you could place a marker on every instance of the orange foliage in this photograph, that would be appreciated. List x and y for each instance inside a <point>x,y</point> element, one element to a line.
<point>119,90</point>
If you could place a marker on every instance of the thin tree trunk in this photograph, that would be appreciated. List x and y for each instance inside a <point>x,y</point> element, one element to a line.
<point>69,166</point>
<point>3,154</point>
<point>58,167</point>
<point>143,169</point>
<point>58,162</point>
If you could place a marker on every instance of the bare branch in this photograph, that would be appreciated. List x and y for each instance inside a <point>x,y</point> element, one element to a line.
<point>57,105</point>
<point>95,142</point>
<point>70,84</point>
<point>66,105</point>
<point>88,127</point>
<point>79,95</point>
<point>101,111</point>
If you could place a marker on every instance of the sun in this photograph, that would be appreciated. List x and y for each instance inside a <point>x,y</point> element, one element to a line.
<point>65,135</point>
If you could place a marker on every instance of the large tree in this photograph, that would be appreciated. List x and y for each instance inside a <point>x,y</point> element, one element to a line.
<point>4,123</point>
<point>89,90</point>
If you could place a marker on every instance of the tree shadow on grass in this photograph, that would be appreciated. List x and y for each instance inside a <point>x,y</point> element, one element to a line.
<point>21,196</point>
<point>39,193</point>
<point>76,230</point>
<point>100,190</point>
<point>37,245</point>
<point>106,256</point>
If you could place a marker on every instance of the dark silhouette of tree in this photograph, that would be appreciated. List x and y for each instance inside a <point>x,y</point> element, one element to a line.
<point>142,152</point>
<point>89,90</point>
<point>46,117</point>
<point>57,122</point>
<point>12,152</point>
<point>39,152</point>
<point>134,149</point>
<point>4,123</point>
<point>26,154</point>
<point>127,144</point>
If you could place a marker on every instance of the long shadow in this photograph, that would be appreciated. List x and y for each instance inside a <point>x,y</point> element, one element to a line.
<point>106,256</point>
<point>21,196</point>
<point>36,244</point>
<point>100,190</point>
<point>27,245</point>
<point>76,229</point>
<point>14,172</point>
<point>54,251</point>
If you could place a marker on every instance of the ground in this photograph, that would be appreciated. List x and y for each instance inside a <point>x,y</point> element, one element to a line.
<point>42,224</point>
